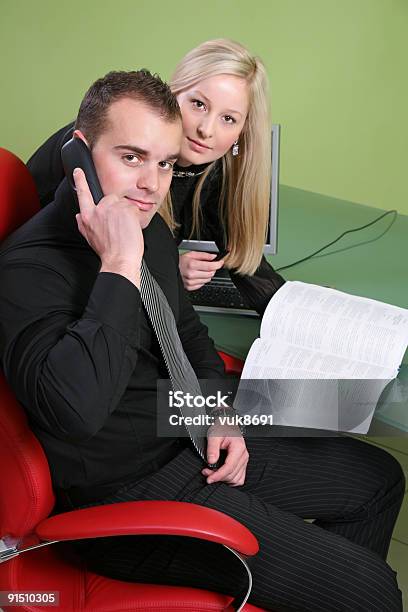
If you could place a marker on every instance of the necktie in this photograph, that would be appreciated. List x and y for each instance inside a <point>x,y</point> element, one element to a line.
<point>181,373</point>
<point>182,376</point>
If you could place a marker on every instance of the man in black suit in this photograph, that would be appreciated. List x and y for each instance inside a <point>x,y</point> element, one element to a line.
<point>81,355</point>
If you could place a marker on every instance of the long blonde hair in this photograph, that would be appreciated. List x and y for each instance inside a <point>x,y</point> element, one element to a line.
<point>244,198</point>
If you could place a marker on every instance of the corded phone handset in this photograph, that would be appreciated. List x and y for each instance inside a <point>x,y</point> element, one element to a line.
<point>76,154</point>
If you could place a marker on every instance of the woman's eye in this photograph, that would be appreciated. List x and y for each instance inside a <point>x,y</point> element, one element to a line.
<point>229,119</point>
<point>198,104</point>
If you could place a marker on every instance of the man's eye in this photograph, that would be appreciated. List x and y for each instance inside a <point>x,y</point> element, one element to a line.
<point>198,104</point>
<point>131,158</point>
<point>229,119</point>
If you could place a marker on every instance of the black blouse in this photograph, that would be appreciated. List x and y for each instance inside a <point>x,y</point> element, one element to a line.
<point>46,168</point>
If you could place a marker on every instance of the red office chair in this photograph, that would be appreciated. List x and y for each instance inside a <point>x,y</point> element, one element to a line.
<point>27,562</point>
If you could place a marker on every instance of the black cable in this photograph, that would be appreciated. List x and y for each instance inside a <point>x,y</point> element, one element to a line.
<point>356,229</point>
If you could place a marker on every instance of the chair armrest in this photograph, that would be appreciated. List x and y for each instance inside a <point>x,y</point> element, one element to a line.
<point>149,518</point>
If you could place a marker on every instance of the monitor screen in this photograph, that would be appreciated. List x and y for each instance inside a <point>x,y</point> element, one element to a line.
<point>271,243</point>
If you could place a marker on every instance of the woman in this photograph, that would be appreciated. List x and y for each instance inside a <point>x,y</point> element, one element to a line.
<point>221,183</point>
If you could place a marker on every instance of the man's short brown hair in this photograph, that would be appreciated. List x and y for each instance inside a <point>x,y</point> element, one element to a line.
<point>140,85</point>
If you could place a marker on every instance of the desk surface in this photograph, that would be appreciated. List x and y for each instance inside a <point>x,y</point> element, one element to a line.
<point>370,263</point>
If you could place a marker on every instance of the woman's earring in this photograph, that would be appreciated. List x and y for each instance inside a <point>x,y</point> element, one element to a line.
<point>235,148</point>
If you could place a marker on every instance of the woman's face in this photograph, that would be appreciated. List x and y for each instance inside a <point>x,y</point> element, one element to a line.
<point>214,112</point>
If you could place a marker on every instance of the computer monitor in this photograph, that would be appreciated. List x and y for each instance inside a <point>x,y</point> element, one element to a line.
<point>271,243</point>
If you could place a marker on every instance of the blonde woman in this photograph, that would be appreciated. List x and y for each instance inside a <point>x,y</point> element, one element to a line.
<point>221,182</point>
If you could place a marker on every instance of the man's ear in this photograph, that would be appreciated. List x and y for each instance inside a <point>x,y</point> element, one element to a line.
<point>79,134</point>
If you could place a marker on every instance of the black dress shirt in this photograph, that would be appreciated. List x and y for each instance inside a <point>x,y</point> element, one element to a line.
<point>46,167</point>
<point>78,351</point>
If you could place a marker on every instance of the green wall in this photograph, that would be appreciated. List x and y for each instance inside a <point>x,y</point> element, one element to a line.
<point>338,70</point>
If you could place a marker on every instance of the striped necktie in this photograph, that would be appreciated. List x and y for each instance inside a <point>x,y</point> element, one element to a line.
<point>182,377</point>
<point>181,373</point>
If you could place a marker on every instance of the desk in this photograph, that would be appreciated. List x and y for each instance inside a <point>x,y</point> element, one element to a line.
<point>372,268</point>
<point>369,263</point>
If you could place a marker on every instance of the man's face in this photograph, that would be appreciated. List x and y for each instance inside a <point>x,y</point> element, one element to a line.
<point>134,155</point>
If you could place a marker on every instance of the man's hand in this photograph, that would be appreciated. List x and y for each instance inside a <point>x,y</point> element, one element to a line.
<point>112,229</point>
<point>233,471</point>
<point>198,268</point>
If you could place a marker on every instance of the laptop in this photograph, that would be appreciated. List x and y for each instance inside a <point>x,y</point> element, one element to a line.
<point>220,294</point>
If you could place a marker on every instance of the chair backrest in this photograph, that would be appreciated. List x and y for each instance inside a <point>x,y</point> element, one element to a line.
<point>26,494</point>
<point>18,194</point>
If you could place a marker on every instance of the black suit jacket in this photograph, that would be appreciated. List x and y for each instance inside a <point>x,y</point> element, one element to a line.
<point>80,354</point>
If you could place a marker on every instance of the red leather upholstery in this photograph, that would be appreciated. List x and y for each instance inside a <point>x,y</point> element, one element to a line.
<point>56,569</point>
<point>233,365</point>
<point>26,498</point>
<point>150,517</point>
<point>83,591</point>
<point>26,495</point>
<point>18,195</point>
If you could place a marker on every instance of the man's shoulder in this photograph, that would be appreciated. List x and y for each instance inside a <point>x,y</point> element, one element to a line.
<point>158,230</point>
<point>22,241</point>
<point>50,228</point>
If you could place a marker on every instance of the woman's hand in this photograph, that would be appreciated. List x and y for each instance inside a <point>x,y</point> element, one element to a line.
<point>198,268</point>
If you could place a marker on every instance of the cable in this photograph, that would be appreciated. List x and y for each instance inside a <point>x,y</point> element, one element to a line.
<point>356,229</point>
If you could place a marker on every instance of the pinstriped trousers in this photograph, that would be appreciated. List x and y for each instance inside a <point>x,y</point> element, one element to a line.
<point>352,490</point>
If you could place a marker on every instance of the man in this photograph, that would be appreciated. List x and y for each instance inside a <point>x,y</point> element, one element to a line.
<point>82,357</point>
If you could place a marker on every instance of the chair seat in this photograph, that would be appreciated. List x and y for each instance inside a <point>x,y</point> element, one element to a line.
<point>56,568</point>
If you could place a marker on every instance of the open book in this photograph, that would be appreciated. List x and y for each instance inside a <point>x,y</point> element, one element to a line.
<point>323,358</point>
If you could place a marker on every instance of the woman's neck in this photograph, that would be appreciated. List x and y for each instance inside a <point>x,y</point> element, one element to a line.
<point>189,170</point>
<point>183,163</point>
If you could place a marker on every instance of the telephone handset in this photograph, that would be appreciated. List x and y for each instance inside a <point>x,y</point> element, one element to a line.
<point>75,154</point>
